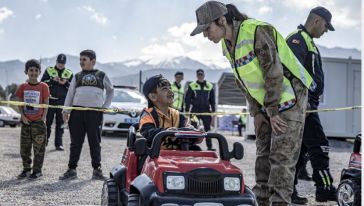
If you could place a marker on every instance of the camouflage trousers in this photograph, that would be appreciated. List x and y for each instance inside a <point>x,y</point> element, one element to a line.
<point>275,164</point>
<point>33,136</point>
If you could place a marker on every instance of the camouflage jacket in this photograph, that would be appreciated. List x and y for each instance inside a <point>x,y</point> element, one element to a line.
<point>266,52</point>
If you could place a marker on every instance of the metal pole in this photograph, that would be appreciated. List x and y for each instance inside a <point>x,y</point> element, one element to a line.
<point>6,87</point>
<point>217,93</point>
<point>140,81</point>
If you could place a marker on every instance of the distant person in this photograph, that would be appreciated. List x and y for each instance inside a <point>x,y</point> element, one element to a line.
<point>86,90</point>
<point>242,122</point>
<point>33,126</point>
<point>275,85</point>
<point>178,91</point>
<point>314,140</point>
<point>200,98</point>
<point>58,79</point>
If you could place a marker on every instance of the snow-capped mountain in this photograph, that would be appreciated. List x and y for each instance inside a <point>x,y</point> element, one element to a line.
<point>175,62</point>
<point>127,72</point>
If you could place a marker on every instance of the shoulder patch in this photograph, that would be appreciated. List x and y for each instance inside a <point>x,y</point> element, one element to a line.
<point>295,41</point>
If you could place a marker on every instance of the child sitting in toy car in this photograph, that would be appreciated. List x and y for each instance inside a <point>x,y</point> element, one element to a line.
<point>159,116</point>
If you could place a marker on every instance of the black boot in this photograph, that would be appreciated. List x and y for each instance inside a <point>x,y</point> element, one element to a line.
<point>295,199</point>
<point>324,194</point>
<point>325,191</point>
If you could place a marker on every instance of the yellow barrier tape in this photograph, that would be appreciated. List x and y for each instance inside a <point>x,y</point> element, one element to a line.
<point>115,110</point>
<point>247,113</point>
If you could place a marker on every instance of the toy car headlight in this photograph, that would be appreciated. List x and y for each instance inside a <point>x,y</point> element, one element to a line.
<point>232,183</point>
<point>175,182</point>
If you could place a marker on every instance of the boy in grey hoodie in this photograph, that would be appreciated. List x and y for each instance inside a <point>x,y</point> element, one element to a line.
<point>86,90</point>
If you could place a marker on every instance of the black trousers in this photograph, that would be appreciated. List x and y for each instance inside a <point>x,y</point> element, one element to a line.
<point>240,128</point>
<point>59,122</point>
<point>206,121</point>
<point>316,144</point>
<point>80,124</point>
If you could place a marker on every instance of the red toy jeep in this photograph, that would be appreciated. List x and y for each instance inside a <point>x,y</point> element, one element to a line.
<point>349,189</point>
<point>177,177</point>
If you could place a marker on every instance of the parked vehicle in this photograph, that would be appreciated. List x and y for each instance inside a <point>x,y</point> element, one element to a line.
<point>349,189</point>
<point>8,116</point>
<point>177,177</point>
<point>125,99</point>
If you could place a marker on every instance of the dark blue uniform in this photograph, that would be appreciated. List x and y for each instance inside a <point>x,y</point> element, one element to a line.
<point>202,100</point>
<point>58,95</point>
<point>314,139</point>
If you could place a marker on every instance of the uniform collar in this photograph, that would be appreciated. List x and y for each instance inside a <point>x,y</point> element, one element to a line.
<point>55,66</point>
<point>201,83</point>
<point>178,85</point>
<point>303,28</point>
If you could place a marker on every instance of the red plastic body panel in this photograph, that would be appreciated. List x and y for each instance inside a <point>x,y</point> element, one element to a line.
<point>355,161</point>
<point>185,161</point>
<point>130,161</point>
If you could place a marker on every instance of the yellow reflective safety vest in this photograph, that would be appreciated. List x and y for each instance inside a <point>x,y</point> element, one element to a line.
<point>311,47</point>
<point>247,70</point>
<point>243,118</point>
<point>66,74</point>
<point>196,86</point>
<point>178,96</point>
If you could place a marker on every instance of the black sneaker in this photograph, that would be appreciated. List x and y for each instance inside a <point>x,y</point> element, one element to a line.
<point>297,199</point>
<point>211,149</point>
<point>25,173</point>
<point>60,148</point>
<point>98,175</point>
<point>35,175</point>
<point>325,194</point>
<point>70,174</point>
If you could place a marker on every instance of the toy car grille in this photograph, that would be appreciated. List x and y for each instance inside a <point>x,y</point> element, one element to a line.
<point>205,185</point>
<point>124,125</point>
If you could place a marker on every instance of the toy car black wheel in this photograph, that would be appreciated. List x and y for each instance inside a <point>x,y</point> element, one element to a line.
<point>133,200</point>
<point>348,193</point>
<point>109,195</point>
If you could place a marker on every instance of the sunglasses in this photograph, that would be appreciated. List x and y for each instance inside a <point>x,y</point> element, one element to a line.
<point>83,59</point>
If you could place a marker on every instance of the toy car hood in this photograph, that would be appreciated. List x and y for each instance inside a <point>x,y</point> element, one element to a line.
<point>185,161</point>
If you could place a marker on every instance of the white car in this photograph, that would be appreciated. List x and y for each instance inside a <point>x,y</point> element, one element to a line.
<point>8,116</point>
<point>125,99</point>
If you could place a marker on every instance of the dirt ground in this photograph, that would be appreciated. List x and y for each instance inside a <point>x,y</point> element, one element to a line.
<point>84,191</point>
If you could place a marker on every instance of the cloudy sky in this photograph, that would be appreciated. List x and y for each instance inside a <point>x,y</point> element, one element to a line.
<point>125,29</point>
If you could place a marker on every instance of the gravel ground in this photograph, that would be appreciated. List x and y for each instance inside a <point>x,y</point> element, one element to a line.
<point>84,191</point>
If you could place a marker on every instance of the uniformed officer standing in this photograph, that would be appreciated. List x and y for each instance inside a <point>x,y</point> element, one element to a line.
<point>58,79</point>
<point>242,122</point>
<point>178,91</point>
<point>314,139</point>
<point>200,98</point>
